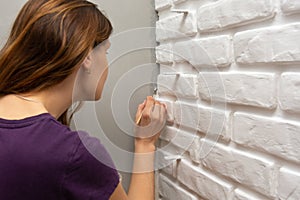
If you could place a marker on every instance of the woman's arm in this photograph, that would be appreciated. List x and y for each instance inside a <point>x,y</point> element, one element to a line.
<point>148,131</point>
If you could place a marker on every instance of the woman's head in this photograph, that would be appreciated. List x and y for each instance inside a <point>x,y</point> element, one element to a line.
<point>48,41</point>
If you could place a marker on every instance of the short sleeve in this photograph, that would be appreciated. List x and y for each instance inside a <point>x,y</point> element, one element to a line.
<point>91,174</point>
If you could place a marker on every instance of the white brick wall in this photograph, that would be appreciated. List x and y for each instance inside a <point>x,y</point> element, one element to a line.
<point>247,88</point>
<point>230,75</point>
<point>289,95</point>
<point>214,51</point>
<point>268,45</point>
<point>231,13</point>
<point>272,135</point>
<point>290,6</point>
<point>169,190</point>
<point>202,182</point>
<point>289,184</point>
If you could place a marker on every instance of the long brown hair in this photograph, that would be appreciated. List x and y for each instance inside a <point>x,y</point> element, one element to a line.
<point>48,40</point>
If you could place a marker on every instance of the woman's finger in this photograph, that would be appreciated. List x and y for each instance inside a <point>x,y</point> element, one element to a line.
<point>147,110</point>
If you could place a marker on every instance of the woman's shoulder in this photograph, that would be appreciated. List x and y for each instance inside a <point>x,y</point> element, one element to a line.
<point>91,169</point>
<point>90,165</point>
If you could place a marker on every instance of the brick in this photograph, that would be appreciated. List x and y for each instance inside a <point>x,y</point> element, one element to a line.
<point>272,135</point>
<point>178,137</point>
<point>212,51</point>
<point>289,92</point>
<point>204,119</point>
<point>186,141</point>
<point>165,69</point>
<point>187,115</point>
<point>178,26</point>
<point>290,6</point>
<point>289,184</point>
<point>200,181</point>
<point>183,85</point>
<point>164,54</point>
<point>169,190</point>
<point>252,89</point>
<point>178,1</point>
<point>164,163</point>
<point>240,194</point>
<point>244,168</point>
<point>279,44</point>
<point>233,13</point>
<point>162,4</point>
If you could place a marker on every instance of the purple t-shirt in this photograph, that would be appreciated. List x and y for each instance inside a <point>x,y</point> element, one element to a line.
<point>43,159</point>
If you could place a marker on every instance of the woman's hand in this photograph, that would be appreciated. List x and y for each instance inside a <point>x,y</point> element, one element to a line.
<point>150,120</point>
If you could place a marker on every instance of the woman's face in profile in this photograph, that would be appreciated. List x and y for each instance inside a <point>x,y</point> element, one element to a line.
<point>92,74</point>
<point>100,67</point>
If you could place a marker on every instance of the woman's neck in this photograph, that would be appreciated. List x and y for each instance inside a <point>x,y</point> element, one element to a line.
<point>55,100</point>
<point>20,106</point>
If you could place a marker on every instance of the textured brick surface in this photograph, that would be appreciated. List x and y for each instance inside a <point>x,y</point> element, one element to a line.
<point>289,184</point>
<point>239,194</point>
<point>289,92</point>
<point>202,182</point>
<point>254,89</point>
<point>171,191</point>
<point>162,4</point>
<point>278,44</point>
<point>229,73</point>
<point>184,85</point>
<point>214,51</point>
<point>204,119</point>
<point>290,6</point>
<point>232,13</point>
<point>274,136</point>
<point>178,26</point>
<point>245,168</point>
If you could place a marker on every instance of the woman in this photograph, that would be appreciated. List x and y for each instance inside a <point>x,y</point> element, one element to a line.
<point>56,55</point>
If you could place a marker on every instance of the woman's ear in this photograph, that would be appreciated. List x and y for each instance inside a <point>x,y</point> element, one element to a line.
<point>87,63</point>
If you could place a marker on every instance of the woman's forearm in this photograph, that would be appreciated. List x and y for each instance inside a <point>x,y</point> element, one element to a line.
<point>142,179</point>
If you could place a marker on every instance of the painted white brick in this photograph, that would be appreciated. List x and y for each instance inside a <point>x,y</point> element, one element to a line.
<point>245,168</point>
<point>164,54</point>
<point>203,183</point>
<point>163,162</point>
<point>290,6</point>
<point>233,13</point>
<point>278,44</point>
<point>212,51</point>
<point>204,119</point>
<point>178,1</point>
<point>178,137</point>
<point>289,92</point>
<point>243,69</point>
<point>253,89</point>
<point>275,136</point>
<point>183,85</point>
<point>169,190</point>
<point>162,4</point>
<point>187,115</point>
<point>243,195</point>
<point>186,141</point>
<point>289,184</point>
<point>178,26</point>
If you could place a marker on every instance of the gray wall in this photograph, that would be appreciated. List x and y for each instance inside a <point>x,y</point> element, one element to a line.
<point>132,71</point>
<point>8,12</point>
